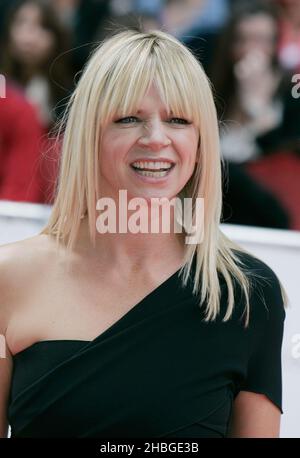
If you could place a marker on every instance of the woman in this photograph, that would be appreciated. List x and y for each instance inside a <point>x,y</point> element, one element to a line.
<point>252,85</point>
<point>34,57</point>
<point>115,340</point>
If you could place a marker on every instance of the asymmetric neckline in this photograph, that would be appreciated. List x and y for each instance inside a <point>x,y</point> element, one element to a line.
<point>161,370</point>
<point>133,309</point>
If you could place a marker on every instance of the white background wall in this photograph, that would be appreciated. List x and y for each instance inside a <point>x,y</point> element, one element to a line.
<point>279,249</point>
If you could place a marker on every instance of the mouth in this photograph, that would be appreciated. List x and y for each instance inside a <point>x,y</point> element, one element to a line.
<point>152,169</point>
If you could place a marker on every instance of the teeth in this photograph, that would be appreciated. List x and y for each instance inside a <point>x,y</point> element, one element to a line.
<point>152,174</point>
<point>152,165</point>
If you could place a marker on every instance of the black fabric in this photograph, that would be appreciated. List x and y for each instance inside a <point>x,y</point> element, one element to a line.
<point>247,202</point>
<point>159,371</point>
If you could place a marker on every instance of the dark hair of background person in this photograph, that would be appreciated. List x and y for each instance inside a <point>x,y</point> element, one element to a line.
<point>4,6</point>
<point>90,18</point>
<point>56,68</point>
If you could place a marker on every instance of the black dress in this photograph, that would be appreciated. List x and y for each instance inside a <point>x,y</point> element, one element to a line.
<point>159,371</point>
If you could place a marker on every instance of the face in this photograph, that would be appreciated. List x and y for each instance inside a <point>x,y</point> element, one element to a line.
<point>31,43</point>
<point>256,33</point>
<point>148,153</point>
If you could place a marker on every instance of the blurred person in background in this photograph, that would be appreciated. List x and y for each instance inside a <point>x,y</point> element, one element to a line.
<point>20,137</point>
<point>254,102</point>
<point>254,92</point>
<point>33,56</point>
<point>39,81</point>
<point>251,86</point>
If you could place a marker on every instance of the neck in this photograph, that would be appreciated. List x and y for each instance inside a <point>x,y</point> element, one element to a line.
<point>132,251</point>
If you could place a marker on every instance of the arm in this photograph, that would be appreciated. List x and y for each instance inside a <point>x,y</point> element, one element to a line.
<point>254,416</point>
<point>5,378</point>
<point>257,407</point>
<point>5,355</point>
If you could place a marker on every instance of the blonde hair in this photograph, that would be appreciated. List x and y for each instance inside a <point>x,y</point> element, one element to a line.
<point>114,80</point>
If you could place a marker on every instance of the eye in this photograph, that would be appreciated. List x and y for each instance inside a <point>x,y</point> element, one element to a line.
<point>127,120</point>
<point>179,121</point>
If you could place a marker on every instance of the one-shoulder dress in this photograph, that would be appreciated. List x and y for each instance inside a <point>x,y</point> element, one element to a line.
<point>159,371</point>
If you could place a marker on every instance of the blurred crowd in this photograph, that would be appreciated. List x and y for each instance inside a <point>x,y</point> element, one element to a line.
<point>250,49</point>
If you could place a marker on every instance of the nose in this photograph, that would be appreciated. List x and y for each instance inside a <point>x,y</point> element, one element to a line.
<point>27,35</point>
<point>154,136</point>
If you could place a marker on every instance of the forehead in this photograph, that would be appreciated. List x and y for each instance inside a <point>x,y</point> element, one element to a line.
<point>29,11</point>
<point>152,101</point>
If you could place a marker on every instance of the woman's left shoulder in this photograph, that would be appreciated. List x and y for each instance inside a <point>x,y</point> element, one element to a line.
<point>265,286</point>
<point>255,266</point>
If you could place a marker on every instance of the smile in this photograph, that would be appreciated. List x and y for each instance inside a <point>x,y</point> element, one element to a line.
<point>154,169</point>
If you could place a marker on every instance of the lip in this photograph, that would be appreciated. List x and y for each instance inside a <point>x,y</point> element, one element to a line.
<point>151,180</point>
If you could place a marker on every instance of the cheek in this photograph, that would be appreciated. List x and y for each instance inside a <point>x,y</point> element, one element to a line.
<point>16,38</point>
<point>189,147</point>
<point>117,146</point>
<point>112,151</point>
<point>46,43</point>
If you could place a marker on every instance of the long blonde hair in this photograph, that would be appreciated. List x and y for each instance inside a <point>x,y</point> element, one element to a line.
<point>114,80</point>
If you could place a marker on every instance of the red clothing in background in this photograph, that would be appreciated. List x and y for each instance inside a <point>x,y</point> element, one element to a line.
<point>280,173</point>
<point>21,136</point>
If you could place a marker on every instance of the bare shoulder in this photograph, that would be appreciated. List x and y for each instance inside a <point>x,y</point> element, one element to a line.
<point>21,263</point>
<point>30,247</point>
<point>15,256</point>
